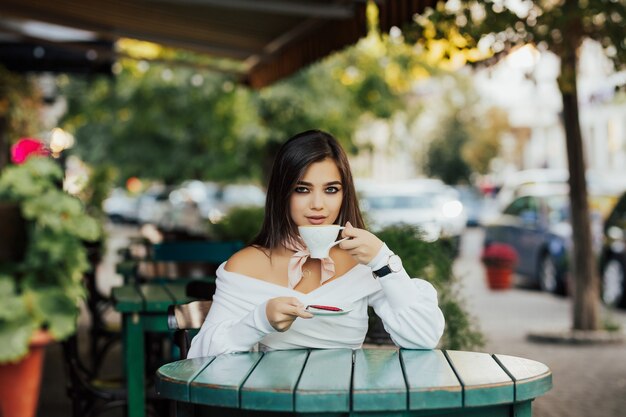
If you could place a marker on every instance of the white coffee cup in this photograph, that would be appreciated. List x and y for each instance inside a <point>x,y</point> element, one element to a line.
<point>319,239</point>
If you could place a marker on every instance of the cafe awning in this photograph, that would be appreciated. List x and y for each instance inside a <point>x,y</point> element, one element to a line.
<point>271,39</point>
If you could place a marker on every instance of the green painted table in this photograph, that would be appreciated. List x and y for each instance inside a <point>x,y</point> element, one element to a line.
<point>366,382</point>
<point>144,309</point>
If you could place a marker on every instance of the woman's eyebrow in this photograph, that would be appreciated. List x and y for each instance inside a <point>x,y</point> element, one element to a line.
<point>308,184</point>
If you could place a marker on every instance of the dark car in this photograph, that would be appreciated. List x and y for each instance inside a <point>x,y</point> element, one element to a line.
<point>537,226</point>
<point>613,259</point>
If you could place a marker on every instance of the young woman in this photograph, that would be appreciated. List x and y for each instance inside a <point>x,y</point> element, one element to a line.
<point>263,290</point>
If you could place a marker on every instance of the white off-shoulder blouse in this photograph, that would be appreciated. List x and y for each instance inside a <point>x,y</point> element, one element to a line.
<point>237,320</point>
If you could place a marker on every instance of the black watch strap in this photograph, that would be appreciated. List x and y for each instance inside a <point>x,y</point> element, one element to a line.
<point>385,270</point>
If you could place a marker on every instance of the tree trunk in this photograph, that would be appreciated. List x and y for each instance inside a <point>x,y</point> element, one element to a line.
<point>583,264</point>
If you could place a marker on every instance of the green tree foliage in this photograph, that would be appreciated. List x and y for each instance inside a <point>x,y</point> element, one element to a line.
<point>162,121</point>
<point>485,132</point>
<point>372,78</point>
<point>465,143</point>
<point>444,159</point>
<point>467,136</point>
<point>165,122</point>
<point>153,122</point>
<point>473,30</point>
<point>312,99</point>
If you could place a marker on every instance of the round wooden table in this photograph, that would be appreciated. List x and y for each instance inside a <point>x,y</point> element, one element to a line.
<point>345,382</point>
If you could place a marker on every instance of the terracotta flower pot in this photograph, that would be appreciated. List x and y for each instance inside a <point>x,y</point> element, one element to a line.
<point>499,260</point>
<point>20,382</point>
<point>499,278</point>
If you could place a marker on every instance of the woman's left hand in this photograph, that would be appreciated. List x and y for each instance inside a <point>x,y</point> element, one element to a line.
<point>362,245</point>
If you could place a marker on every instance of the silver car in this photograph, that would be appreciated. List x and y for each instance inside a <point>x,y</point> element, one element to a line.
<point>429,204</point>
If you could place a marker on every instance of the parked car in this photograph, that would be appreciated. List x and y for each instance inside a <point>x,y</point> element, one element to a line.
<point>430,204</point>
<point>537,225</point>
<point>516,183</point>
<point>225,197</point>
<point>153,204</point>
<point>182,212</point>
<point>191,204</point>
<point>479,209</point>
<point>613,259</point>
<point>121,207</point>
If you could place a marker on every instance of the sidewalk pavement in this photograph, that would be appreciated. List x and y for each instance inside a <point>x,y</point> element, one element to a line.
<point>588,380</point>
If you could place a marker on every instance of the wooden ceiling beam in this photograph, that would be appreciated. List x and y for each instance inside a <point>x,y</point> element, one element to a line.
<point>291,8</point>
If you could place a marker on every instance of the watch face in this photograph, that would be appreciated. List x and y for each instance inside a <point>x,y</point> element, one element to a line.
<point>395,263</point>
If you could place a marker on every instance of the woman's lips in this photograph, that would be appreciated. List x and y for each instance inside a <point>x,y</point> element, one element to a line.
<point>316,220</point>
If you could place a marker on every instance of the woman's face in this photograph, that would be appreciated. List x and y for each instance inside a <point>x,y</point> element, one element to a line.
<point>316,198</point>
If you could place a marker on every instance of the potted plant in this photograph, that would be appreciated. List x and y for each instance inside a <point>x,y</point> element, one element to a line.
<point>499,260</point>
<point>432,262</point>
<point>41,289</point>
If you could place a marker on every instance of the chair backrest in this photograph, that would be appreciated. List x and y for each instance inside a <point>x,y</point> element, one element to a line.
<point>188,316</point>
<point>183,259</point>
<point>185,317</point>
<point>195,251</point>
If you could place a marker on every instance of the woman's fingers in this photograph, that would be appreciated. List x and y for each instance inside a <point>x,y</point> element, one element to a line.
<point>301,312</point>
<point>362,245</point>
<point>350,231</point>
<point>282,311</point>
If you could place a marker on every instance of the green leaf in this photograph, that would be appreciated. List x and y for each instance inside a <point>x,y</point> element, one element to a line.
<point>57,310</point>
<point>14,338</point>
<point>11,304</point>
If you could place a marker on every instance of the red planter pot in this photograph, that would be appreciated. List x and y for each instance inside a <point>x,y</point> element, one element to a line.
<point>499,278</point>
<point>20,382</point>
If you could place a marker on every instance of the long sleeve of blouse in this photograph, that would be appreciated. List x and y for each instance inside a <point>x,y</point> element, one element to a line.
<point>409,311</point>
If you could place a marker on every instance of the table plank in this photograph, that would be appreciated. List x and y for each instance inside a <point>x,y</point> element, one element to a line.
<point>127,299</point>
<point>378,382</point>
<point>484,381</point>
<point>431,381</point>
<point>271,385</point>
<point>218,384</point>
<point>156,297</point>
<point>532,378</point>
<point>317,392</point>
<point>173,379</point>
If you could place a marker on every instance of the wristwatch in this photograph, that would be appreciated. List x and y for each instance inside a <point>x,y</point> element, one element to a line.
<point>394,264</point>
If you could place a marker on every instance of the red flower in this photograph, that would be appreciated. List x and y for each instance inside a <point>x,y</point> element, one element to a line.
<point>26,147</point>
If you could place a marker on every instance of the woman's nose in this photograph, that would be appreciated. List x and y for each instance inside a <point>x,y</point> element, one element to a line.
<point>317,201</point>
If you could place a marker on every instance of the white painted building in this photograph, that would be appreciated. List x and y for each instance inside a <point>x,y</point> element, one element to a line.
<point>525,84</point>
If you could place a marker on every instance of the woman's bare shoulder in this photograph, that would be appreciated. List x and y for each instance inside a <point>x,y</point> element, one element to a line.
<point>248,261</point>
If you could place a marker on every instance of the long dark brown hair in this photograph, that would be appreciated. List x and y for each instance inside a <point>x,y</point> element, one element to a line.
<point>292,160</point>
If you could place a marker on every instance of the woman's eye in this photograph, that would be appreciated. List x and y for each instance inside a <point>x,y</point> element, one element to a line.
<point>301,190</point>
<point>332,190</point>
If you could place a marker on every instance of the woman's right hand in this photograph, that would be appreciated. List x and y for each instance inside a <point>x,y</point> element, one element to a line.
<point>283,311</point>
